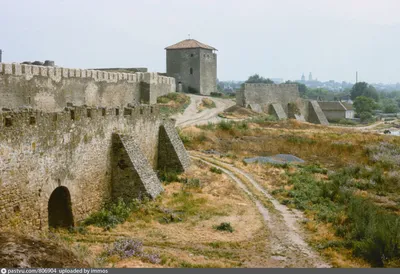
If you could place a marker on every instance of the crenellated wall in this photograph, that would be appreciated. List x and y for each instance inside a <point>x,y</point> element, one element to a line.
<point>72,149</point>
<point>51,88</point>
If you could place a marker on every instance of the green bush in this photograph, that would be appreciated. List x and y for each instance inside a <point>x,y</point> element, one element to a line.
<point>169,176</point>
<point>216,94</point>
<point>366,117</point>
<point>184,137</point>
<point>372,232</point>
<point>112,215</point>
<point>216,170</point>
<point>225,125</point>
<point>224,227</point>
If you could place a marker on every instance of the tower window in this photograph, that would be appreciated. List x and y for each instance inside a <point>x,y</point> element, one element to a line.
<point>191,55</point>
<point>191,70</point>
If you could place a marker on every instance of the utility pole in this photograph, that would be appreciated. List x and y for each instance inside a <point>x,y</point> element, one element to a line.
<point>356,77</point>
<point>1,52</point>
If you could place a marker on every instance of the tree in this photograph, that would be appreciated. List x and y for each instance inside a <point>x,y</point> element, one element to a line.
<point>364,104</point>
<point>259,79</point>
<point>389,106</point>
<point>363,89</point>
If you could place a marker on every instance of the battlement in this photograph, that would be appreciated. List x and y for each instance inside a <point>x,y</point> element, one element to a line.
<point>15,119</point>
<point>50,88</point>
<point>57,73</point>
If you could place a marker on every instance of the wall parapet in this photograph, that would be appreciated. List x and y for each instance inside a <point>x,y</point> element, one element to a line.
<point>12,119</point>
<point>57,73</point>
<point>50,88</point>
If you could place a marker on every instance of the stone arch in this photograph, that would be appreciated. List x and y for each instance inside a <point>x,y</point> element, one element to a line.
<point>60,208</point>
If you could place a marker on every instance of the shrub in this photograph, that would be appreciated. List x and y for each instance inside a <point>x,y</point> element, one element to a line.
<point>192,183</point>
<point>225,125</point>
<point>385,154</point>
<point>216,94</point>
<point>375,234</point>
<point>126,248</point>
<point>366,117</point>
<point>243,125</point>
<point>224,227</point>
<point>216,170</point>
<point>372,232</point>
<point>112,215</point>
<point>184,137</point>
<point>169,176</point>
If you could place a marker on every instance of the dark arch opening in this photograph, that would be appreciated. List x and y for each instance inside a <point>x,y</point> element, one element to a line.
<point>60,208</point>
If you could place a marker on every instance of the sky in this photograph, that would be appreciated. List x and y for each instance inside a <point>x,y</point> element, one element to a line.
<point>277,39</point>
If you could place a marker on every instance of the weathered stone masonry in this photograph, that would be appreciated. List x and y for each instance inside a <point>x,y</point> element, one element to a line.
<point>70,155</point>
<point>51,88</point>
<point>283,101</point>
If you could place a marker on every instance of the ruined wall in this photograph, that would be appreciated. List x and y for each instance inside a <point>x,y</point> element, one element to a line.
<point>315,113</point>
<point>41,151</point>
<point>267,94</point>
<point>51,88</point>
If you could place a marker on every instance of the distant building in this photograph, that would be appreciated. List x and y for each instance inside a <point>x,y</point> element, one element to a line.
<point>193,65</point>
<point>310,77</point>
<point>303,78</point>
<point>336,110</point>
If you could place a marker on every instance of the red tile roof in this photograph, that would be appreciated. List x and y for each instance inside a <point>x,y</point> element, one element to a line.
<point>190,44</point>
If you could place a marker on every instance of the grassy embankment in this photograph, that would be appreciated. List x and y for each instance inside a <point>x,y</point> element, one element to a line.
<point>173,103</point>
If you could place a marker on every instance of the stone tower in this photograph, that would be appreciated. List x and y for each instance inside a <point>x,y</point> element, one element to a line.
<point>193,65</point>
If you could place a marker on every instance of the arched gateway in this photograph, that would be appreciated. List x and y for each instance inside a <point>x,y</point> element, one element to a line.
<point>60,209</point>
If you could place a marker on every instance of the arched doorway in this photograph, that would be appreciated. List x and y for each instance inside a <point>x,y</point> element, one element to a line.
<point>60,209</point>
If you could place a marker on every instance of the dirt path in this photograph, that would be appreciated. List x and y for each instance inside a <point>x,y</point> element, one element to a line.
<point>191,116</point>
<point>363,128</point>
<point>287,242</point>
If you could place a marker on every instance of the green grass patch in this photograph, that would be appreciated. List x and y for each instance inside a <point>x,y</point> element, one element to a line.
<point>369,230</point>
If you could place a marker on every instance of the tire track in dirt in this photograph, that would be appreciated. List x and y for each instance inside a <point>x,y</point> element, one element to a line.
<point>191,116</point>
<point>286,242</point>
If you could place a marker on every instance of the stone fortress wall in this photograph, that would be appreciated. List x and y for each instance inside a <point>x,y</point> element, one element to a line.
<point>265,95</point>
<point>51,88</point>
<point>280,100</point>
<point>82,152</point>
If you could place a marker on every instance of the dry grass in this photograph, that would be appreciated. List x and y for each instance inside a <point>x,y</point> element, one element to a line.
<point>313,143</point>
<point>192,242</point>
<point>206,103</point>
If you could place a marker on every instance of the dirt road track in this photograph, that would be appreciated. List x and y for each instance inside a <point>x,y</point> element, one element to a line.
<point>287,243</point>
<point>191,116</point>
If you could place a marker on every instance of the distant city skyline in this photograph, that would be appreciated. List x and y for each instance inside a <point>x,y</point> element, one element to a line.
<point>332,39</point>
